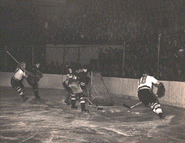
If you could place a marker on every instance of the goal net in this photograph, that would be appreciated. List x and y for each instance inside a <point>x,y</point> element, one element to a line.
<point>98,92</point>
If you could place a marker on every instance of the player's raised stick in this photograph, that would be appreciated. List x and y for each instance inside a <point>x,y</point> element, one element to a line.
<point>29,73</point>
<point>12,57</point>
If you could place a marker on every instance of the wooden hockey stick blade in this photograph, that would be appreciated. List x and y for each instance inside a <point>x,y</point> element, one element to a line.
<point>97,107</point>
<point>135,105</point>
<point>125,105</point>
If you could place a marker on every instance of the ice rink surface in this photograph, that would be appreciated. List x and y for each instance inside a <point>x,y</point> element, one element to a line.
<point>50,120</point>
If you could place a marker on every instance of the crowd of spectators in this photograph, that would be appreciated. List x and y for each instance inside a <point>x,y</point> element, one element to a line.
<point>136,61</point>
<point>126,63</point>
<point>131,62</point>
<point>93,22</point>
<point>57,68</point>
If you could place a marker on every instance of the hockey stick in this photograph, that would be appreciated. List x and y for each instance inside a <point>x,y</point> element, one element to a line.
<point>19,63</point>
<point>12,57</point>
<point>89,101</point>
<point>131,107</point>
<point>97,107</point>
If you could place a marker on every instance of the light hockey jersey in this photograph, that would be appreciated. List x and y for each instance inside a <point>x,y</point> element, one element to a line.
<point>19,74</point>
<point>147,82</point>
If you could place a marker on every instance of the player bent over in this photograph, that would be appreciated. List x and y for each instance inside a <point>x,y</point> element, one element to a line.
<point>146,95</point>
<point>17,79</point>
<point>75,92</point>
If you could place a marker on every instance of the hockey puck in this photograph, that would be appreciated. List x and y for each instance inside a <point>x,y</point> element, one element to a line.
<point>99,108</point>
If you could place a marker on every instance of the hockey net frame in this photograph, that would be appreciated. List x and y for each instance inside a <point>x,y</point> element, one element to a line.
<point>97,91</point>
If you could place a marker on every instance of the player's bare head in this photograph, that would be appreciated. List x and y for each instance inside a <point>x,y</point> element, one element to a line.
<point>37,65</point>
<point>85,70</point>
<point>70,70</point>
<point>74,77</point>
<point>23,65</point>
<point>145,72</point>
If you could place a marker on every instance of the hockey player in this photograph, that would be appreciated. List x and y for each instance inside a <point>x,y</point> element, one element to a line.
<point>76,90</point>
<point>17,79</point>
<point>66,85</point>
<point>33,80</point>
<point>83,77</point>
<point>146,95</point>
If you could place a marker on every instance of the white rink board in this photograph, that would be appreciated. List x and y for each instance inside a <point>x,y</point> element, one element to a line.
<point>175,91</point>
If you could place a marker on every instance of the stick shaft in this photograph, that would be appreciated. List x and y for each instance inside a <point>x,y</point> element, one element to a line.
<point>12,57</point>
<point>135,105</point>
<point>125,105</point>
<point>131,107</point>
<point>89,100</point>
<point>19,63</point>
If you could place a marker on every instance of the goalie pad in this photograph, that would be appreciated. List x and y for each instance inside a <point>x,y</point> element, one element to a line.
<point>161,90</point>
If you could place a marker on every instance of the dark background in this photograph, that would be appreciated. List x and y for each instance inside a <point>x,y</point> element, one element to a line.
<point>40,22</point>
<point>134,24</point>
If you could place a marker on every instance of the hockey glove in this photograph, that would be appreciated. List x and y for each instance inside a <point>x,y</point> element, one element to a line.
<point>160,90</point>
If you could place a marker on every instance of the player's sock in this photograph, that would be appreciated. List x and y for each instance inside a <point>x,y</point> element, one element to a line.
<point>67,99</point>
<point>73,104</point>
<point>24,97</point>
<point>83,108</point>
<point>36,95</point>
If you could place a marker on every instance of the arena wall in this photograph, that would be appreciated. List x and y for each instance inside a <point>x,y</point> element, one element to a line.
<point>175,91</point>
<point>174,95</point>
<point>47,81</point>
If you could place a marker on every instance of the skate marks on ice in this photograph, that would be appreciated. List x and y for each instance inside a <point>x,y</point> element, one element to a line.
<point>129,125</point>
<point>53,121</point>
<point>127,130</point>
<point>39,122</point>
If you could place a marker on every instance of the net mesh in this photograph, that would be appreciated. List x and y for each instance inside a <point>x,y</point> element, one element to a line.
<point>98,92</point>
